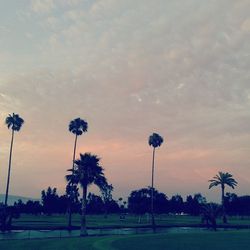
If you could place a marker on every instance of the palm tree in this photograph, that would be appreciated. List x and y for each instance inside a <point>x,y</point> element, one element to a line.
<point>223,179</point>
<point>87,171</point>
<point>154,140</point>
<point>77,126</point>
<point>13,122</point>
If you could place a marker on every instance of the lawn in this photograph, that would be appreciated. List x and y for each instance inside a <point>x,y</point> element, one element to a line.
<point>224,240</point>
<point>48,222</point>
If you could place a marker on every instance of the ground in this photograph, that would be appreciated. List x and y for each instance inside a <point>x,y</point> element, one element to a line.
<point>226,240</point>
<point>220,240</point>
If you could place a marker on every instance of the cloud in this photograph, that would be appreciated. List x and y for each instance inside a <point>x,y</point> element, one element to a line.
<point>42,6</point>
<point>131,68</point>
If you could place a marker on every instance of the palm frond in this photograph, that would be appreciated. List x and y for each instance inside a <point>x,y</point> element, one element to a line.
<point>89,171</point>
<point>223,179</point>
<point>213,183</point>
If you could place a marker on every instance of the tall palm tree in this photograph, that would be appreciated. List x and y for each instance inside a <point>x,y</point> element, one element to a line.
<point>13,122</point>
<point>87,171</point>
<point>77,126</point>
<point>223,179</point>
<point>154,140</point>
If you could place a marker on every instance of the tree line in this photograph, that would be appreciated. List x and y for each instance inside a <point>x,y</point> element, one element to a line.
<point>139,203</point>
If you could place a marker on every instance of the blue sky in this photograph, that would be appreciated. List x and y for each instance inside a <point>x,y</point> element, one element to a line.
<point>180,68</point>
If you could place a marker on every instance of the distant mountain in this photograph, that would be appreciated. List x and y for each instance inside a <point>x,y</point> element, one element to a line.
<point>13,198</point>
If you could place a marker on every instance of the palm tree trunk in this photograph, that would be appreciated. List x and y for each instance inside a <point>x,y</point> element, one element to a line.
<point>74,153</point>
<point>70,198</point>
<point>83,219</point>
<point>223,204</point>
<point>152,192</point>
<point>8,180</point>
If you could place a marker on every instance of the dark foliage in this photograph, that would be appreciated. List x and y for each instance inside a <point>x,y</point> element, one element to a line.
<point>210,212</point>
<point>237,205</point>
<point>52,202</point>
<point>30,207</point>
<point>193,205</point>
<point>6,216</point>
<point>139,201</point>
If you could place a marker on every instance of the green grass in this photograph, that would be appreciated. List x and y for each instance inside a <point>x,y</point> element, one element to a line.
<point>47,222</point>
<point>49,244</point>
<point>227,240</point>
<point>204,241</point>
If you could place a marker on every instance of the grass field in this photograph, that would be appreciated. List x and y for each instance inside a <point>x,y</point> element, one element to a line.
<point>47,222</point>
<point>226,240</point>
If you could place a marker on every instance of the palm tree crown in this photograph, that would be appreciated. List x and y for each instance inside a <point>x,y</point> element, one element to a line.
<point>223,179</point>
<point>88,171</point>
<point>78,126</point>
<point>14,122</point>
<point>155,140</point>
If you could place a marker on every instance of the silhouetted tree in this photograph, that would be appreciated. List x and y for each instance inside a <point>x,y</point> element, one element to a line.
<point>223,179</point>
<point>95,204</point>
<point>72,194</point>
<point>155,140</point>
<point>176,204</point>
<point>87,171</point>
<point>13,122</point>
<point>139,202</point>
<point>30,207</point>
<point>237,205</point>
<point>113,206</point>
<point>161,203</point>
<point>230,201</point>
<point>243,205</point>
<point>107,197</point>
<point>6,216</point>
<point>77,126</point>
<point>50,200</point>
<point>210,212</point>
<point>194,204</point>
<point>33,207</point>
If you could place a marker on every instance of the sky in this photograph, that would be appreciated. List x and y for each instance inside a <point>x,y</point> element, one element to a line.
<point>129,68</point>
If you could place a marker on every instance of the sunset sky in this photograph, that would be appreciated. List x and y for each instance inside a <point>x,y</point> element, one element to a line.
<point>180,68</point>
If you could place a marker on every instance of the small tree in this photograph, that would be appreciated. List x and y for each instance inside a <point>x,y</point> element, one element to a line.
<point>50,200</point>
<point>210,212</point>
<point>223,179</point>
<point>107,197</point>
